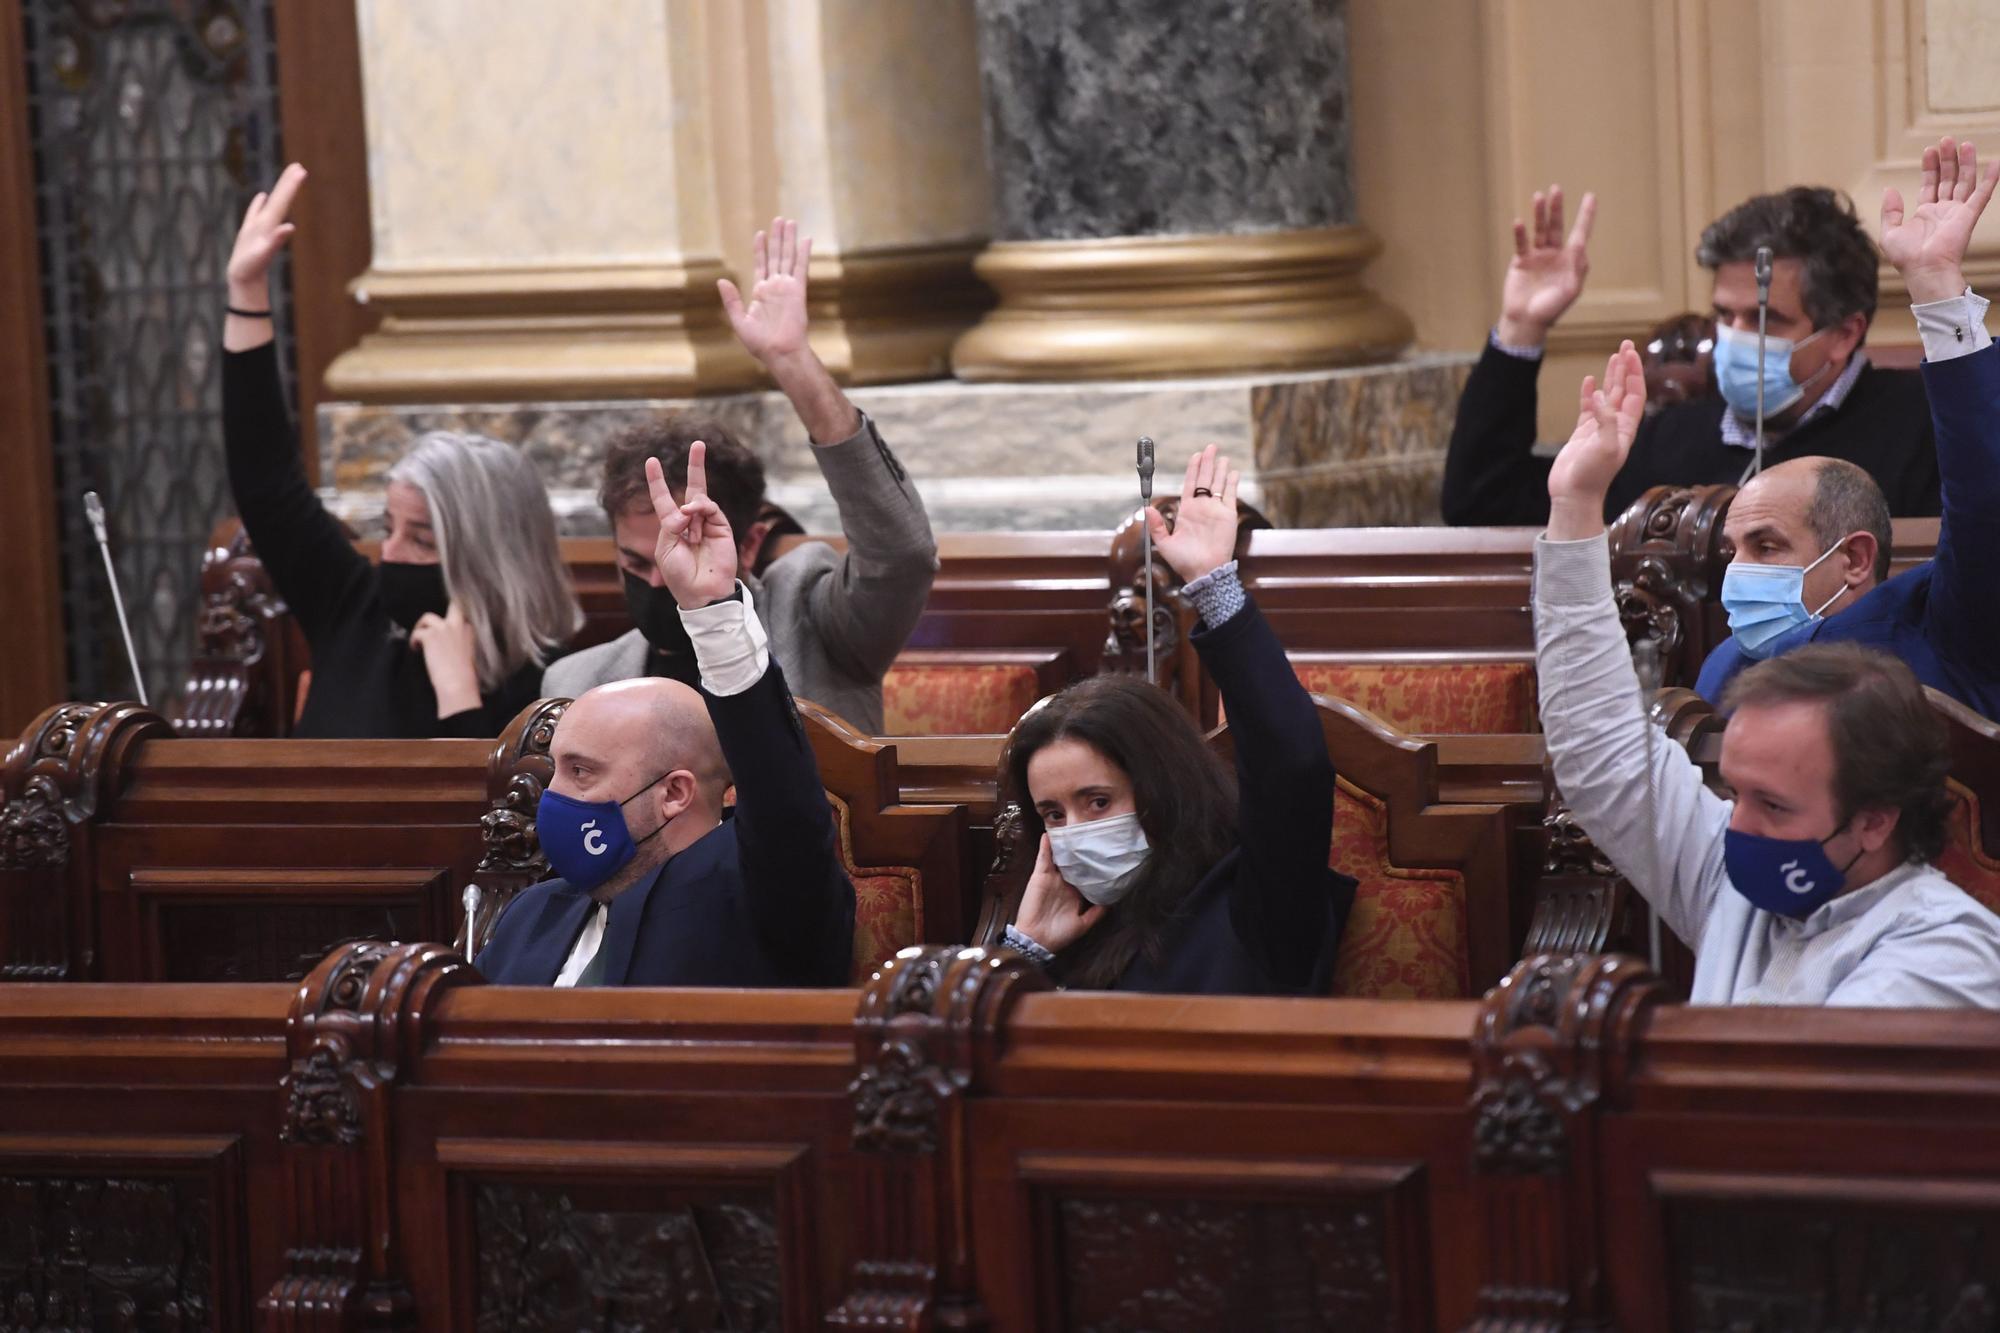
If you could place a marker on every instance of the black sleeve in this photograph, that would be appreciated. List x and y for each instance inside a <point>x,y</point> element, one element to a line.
<point>800,897</point>
<point>1491,474</point>
<point>1284,890</point>
<point>313,565</point>
<point>497,708</point>
<point>1649,464</point>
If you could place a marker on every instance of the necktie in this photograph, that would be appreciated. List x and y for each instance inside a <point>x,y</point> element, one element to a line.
<point>593,971</point>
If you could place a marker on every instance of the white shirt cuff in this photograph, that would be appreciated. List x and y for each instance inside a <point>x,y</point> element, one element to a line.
<point>1955,326</point>
<point>730,645</point>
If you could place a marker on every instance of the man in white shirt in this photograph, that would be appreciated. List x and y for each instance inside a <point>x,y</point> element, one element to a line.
<point>1812,885</point>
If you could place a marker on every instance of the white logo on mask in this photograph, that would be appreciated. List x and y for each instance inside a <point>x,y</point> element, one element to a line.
<point>1797,880</point>
<point>593,838</point>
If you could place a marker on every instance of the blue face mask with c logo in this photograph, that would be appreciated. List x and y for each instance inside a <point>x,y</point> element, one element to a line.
<point>1789,876</point>
<point>1763,601</point>
<point>1735,358</point>
<point>587,841</point>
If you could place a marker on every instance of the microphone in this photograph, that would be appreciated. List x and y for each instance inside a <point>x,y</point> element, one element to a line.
<point>1146,546</point>
<point>1646,663</point>
<point>93,509</point>
<point>1763,271</point>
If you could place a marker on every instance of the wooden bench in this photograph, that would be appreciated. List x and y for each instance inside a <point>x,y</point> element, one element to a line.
<point>395,1145</point>
<point>131,854</point>
<point>1403,621</point>
<point>127,853</point>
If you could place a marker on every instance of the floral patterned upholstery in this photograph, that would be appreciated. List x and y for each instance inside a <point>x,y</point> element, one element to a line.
<point>1963,860</point>
<point>956,700</point>
<point>1406,937</point>
<point>1433,698</point>
<point>888,902</point>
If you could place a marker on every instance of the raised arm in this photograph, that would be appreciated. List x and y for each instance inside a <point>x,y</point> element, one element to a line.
<point>1491,473</point>
<point>311,561</point>
<point>1284,896</point>
<point>1634,791</point>
<point>1927,244</point>
<point>866,610</point>
<point>799,896</point>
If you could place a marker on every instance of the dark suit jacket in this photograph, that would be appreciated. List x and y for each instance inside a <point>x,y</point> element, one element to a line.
<point>1938,617</point>
<point>1266,919</point>
<point>760,901</point>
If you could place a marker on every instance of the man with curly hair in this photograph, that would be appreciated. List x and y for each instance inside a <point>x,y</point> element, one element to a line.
<point>1821,394</point>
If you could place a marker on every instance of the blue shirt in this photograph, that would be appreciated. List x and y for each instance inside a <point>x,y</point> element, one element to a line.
<point>1941,618</point>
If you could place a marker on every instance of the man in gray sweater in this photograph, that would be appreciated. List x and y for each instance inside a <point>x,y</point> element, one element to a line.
<point>836,620</point>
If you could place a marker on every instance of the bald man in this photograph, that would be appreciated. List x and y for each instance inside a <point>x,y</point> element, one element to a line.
<point>657,884</point>
<point>1812,536</point>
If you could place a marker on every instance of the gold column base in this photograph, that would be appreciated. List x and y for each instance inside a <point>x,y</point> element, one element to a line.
<point>1148,306</point>
<point>891,315</point>
<point>500,335</point>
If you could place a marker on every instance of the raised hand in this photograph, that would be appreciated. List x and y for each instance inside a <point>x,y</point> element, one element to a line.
<point>1053,914</point>
<point>696,552</point>
<point>1927,244</point>
<point>451,658</point>
<point>1607,419</point>
<point>1204,532</point>
<point>772,327</point>
<point>264,232</point>
<point>1546,274</point>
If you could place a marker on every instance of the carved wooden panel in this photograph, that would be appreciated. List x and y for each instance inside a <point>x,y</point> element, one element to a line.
<point>1913,1257</point>
<point>1195,1265</point>
<point>562,1257</point>
<point>119,1253</point>
<point>230,924</point>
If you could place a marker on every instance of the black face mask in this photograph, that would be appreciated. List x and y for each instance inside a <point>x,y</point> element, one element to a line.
<point>657,615</point>
<point>411,592</point>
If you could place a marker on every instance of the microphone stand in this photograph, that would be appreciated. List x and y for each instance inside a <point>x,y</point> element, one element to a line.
<point>1146,547</point>
<point>93,509</point>
<point>1763,271</point>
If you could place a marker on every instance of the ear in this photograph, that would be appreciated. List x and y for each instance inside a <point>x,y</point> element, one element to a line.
<point>1858,558</point>
<point>1845,337</point>
<point>753,542</point>
<point>1876,827</point>
<point>679,792</point>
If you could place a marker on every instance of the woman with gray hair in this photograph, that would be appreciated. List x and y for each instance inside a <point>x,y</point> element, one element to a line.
<point>448,634</point>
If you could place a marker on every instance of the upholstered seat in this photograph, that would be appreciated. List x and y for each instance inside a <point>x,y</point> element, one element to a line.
<point>1432,698</point>
<point>1406,937</point>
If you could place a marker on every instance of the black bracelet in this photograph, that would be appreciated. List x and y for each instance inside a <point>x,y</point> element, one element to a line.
<point>247,314</point>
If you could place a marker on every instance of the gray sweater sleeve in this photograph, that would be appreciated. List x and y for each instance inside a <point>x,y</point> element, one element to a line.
<point>865,609</point>
<point>1639,797</point>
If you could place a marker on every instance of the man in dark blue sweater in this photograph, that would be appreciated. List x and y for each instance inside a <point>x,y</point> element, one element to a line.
<point>658,885</point>
<point>1822,396</point>
<point>1938,617</point>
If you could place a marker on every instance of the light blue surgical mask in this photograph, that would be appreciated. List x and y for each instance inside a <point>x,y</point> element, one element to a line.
<point>1101,859</point>
<point>1736,370</point>
<point>1763,601</point>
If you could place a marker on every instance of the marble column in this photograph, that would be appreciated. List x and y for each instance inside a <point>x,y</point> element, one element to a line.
<point>1172,192</point>
<point>875,145</point>
<point>542,182</point>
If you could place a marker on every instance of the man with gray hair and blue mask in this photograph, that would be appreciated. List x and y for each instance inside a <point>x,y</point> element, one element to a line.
<point>1812,535</point>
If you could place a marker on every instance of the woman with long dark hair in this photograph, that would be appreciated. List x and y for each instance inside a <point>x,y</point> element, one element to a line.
<point>1159,869</point>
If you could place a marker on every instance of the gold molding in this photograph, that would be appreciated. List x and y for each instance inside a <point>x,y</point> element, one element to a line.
<point>1149,306</point>
<point>501,334</point>
<point>890,314</point>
